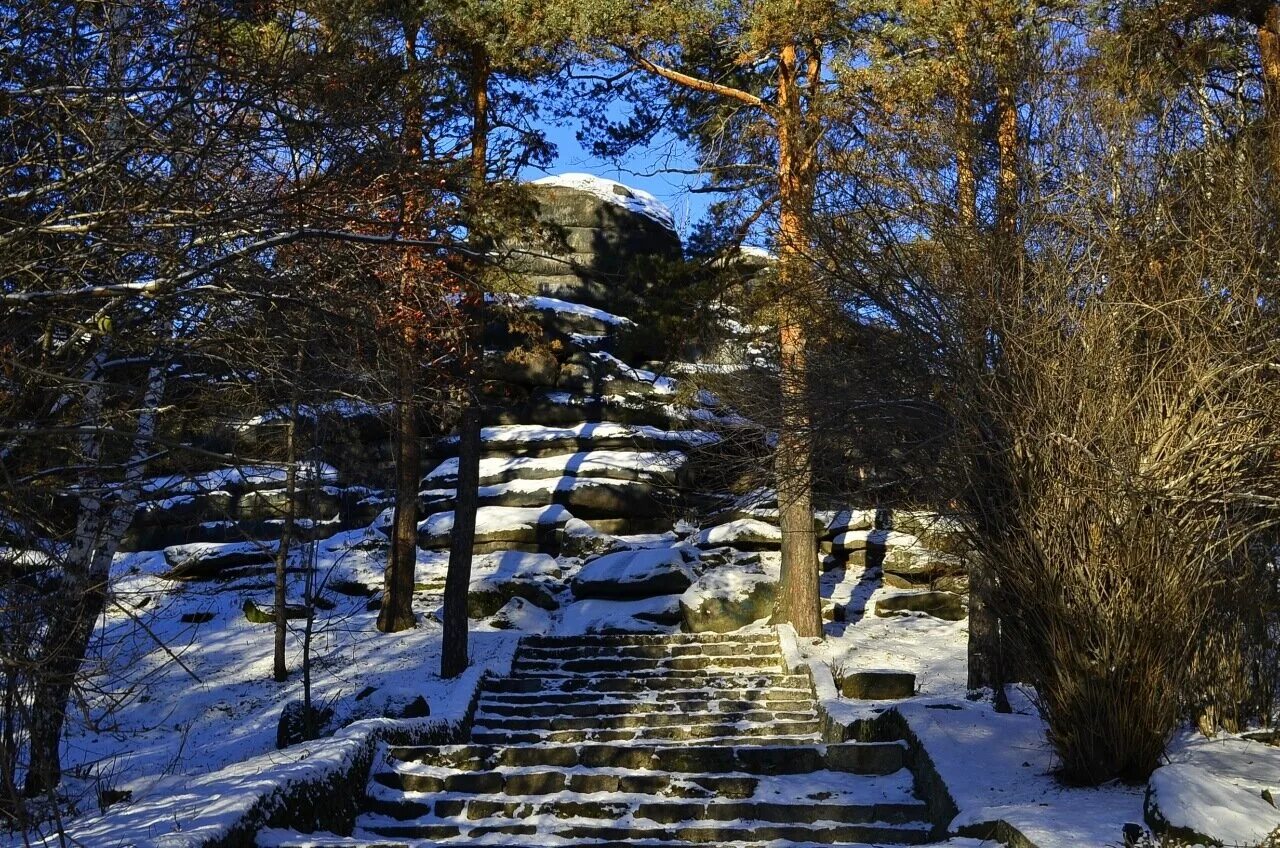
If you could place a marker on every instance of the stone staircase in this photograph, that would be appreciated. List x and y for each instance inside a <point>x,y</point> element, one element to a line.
<point>641,740</point>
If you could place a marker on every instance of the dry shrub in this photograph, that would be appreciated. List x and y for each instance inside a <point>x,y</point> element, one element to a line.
<point>1125,475</point>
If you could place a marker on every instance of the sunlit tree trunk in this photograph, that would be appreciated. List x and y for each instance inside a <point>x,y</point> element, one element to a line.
<point>799,602</point>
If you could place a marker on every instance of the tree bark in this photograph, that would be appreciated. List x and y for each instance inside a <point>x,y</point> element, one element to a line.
<point>397,596</point>
<point>799,602</point>
<point>1269,52</point>
<point>82,592</point>
<point>454,657</point>
<point>281,669</point>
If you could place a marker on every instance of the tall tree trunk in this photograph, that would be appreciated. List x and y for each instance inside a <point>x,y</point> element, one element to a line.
<point>799,602</point>
<point>281,669</point>
<point>1269,52</point>
<point>397,596</point>
<point>453,657</point>
<point>479,82</point>
<point>81,594</point>
<point>986,652</point>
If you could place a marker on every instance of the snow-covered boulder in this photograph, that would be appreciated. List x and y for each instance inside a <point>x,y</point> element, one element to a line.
<point>585,200</point>
<point>500,527</point>
<point>648,615</point>
<point>851,521</point>
<point>596,234</point>
<point>743,533</point>
<point>634,574</point>
<point>1193,804</point>
<point>213,559</point>
<point>489,594</point>
<point>945,605</point>
<point>519,614</point>
<point>729,598</point>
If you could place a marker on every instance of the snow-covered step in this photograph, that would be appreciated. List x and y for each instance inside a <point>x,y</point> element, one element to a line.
<point>615,665</point>
<point>872,758</point>
<point>488,708</point>
<point>277,838</point>
<point>720,692</point>
<point>684,680</point>
<point>628,639</point>
<point>729,733</point>
<point>714,649</point>
<point>489,721</point>
<point>695,832</point>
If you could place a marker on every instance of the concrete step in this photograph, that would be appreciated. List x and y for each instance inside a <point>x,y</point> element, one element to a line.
<point>658,652</point>
<point>666,696</point>
<point>683,681</point>
<point>866,758</point>
<point>664,811</point>
<point>721,734</point>
<point>594,665</point>
<point>489,708</point>
<point>648,639</point>
<point>702,833</point>
<point>489,722</point>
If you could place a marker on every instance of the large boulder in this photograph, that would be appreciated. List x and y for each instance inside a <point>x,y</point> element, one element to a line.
<point>631,575</point>
<point>729,598</point>
<point>500,528</point>
<point>742,533</point>
<point>594,240</point>
<point>944,605</point>
<point>1196,805</point>
<point>211,560</point>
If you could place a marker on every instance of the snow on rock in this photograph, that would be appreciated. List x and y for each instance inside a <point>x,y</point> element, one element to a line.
<point>497,523</point>
<point>1001,768</point>
<point>610,464</point>
<point>739,533</point>
<point>525,616</point>
<point>1212,791</point>
<point>730,597</point>
<point>564,307</point>
<point>508,564</point>
<point>1190,803</point>
<point>649,615</point>
<point>636,574</point>
<point>851,520</point>
<point>239,477</point>
<point>522,434</point>
<point>632,199</point>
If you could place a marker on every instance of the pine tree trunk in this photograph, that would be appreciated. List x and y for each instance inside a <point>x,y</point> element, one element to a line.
<point>454,657</point>
<point>799,602</point>
<point>281,669</point>
<point>1269,53</point>
<point>397,596</point>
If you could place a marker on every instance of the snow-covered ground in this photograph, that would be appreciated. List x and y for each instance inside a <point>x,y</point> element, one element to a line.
<point>196,719</point>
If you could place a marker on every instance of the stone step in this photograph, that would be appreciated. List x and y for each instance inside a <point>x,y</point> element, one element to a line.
<point>644,721</point>
<point>868,758</point>
<point>523,666</point>
<point>664,811</point>
<point>714,833</point>
<point>668,696</point>
<point>277,838</point>
<point>657,652</point>
<point>684,682</point>
<point>649,639</point>
<point>594,707</point>
<point>722,734</point>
